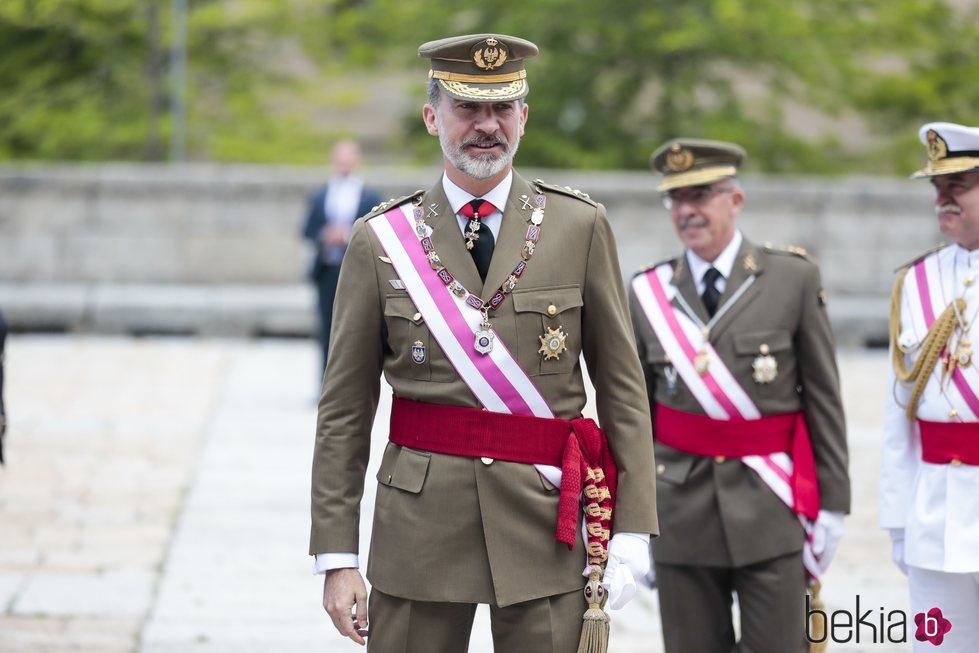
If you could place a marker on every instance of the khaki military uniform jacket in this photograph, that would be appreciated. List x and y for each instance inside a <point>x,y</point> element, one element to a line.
<point>721,513</point>
<point>455,529</point>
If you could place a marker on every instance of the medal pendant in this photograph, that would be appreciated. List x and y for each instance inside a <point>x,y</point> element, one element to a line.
<point>552,344</point>
<point>418,353</point>
<point>671,377</point>
<point>963,354</point>
<point>484,339</point>
<point>765,369</point>
<point>701,362</point>
<point>537,216</point>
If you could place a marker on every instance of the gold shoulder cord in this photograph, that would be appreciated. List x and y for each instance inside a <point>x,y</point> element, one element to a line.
<point>931,348</point>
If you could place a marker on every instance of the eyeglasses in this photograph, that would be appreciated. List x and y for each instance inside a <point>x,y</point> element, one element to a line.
<point>698,196</point>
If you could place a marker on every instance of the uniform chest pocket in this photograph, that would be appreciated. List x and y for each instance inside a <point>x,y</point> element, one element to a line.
<point>408,338</point>
<point>549,319</point>
<point>756,352</point>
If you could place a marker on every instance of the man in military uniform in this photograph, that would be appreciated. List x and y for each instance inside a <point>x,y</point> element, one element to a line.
<point>476,300</point>
<point>930,468</point>
<point>747,418</point>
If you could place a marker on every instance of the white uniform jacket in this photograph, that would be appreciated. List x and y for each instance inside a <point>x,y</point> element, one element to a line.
<point>937,505</point>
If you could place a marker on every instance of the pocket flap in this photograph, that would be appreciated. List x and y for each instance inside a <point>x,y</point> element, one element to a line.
<point>674,471</point>
<point>751,343</point>
<point>401,306</point>
<point>404,468</point>
<point>540,300</point>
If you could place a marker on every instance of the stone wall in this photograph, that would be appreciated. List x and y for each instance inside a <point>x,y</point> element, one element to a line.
<point>216,249</point>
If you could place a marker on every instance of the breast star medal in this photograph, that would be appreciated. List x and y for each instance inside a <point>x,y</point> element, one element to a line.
<point>765,366</point>
<point>552,344</point>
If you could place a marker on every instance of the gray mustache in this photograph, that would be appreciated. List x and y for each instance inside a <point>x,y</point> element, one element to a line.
<point>692,221</point>
<point>948,208</point>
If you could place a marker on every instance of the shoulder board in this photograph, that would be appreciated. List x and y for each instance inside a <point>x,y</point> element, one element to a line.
<point>394,201</point>
<point>792,250</point>
<point>653,266</point>
<point>917,258</point>
<point>565,190</point>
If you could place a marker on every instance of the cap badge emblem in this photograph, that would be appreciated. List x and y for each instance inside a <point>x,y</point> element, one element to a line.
<point>679,159</point>
<point>937,149</point>
<point>490,54</point>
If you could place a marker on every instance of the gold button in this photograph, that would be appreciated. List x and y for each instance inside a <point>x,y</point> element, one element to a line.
<point>486,461</point>
<point>952,414</point>
<point>552,310</point>
<point>660,469</point>
<point>416,317</point>
<point>956,462</point>
<point>719,459</point>
<point>968,281</point>
<point>764,349</point>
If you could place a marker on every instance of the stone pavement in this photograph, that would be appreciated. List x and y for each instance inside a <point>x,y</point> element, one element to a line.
<point>156,501</point>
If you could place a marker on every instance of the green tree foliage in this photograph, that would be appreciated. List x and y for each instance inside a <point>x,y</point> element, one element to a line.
<point>824,86</point>
<point>804,85</point>
<point>89,80</point>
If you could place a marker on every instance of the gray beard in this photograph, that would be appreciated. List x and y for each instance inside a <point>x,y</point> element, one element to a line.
<point>480,166</point>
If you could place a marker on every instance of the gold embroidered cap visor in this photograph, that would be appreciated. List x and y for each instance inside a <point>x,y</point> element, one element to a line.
<point>951,148</point>
<point>695,162</point>
<point>480,67</point>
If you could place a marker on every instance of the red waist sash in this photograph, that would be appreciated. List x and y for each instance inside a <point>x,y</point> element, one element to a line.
<point>784,433</point>
<point>577,446</point>
<point>949,442</point>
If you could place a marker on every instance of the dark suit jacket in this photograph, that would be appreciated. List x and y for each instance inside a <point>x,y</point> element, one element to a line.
<point>316,219</point>
<point>721,514</point>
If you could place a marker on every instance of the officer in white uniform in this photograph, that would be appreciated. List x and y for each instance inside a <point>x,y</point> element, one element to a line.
<point>930,468</point>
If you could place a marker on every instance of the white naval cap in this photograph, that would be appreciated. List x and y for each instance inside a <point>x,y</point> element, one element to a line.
<point>951,148</point>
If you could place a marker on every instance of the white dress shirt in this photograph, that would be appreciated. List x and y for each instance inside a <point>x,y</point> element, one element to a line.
<point>497,197</point>
<point>724,263</point>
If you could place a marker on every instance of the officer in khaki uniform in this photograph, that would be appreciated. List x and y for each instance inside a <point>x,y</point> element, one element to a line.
<point>762,309</point>
<point>453,531</point>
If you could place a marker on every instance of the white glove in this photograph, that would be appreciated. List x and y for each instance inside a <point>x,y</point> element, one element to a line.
<point>897,549</point>
<point>628,559</point>
<point>826,534</point>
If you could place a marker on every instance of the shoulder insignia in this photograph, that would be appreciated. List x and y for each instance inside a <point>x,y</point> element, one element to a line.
<point>917,258</point>
<point>566,190</point>
<point>394,201</point>
<point>793,250</point>
<point>653,266</point>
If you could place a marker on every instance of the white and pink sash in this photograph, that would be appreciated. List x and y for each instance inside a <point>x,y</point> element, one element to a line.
<point>717,390</point>
<point>926,290</point>
<point>496,379</point>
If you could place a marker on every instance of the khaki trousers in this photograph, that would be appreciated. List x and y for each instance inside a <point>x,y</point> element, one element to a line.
<point>695,606</point>
<point>548,625</point>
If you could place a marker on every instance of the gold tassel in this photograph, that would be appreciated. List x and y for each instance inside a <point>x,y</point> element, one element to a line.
<point>595,629</point>
<point>817,622</point>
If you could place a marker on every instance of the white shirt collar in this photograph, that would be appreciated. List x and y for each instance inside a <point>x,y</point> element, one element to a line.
<point>458,197</point>
<point>966,259</point>
<point>724,263</point>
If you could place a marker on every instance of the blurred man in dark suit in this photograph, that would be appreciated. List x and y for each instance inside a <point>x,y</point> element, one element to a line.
<point>332,211</point>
